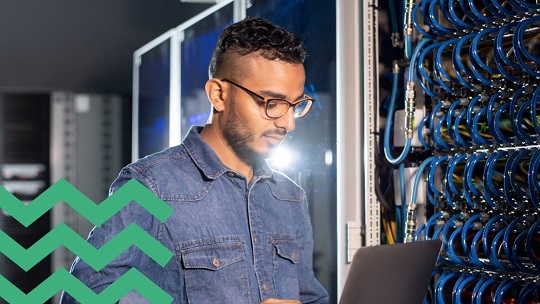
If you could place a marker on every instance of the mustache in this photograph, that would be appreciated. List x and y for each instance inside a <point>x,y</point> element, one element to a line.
<point>279,132</point>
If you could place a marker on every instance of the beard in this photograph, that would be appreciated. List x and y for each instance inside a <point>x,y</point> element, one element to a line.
<point>239,137</point>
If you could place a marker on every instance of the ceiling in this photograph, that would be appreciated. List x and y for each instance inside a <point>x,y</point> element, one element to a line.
<point>80,46</point>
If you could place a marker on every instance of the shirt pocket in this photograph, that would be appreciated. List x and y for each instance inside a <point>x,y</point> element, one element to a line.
<point>215,272</point>
<point>285,272</point>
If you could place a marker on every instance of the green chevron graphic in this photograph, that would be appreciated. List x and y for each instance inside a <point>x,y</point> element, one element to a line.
<point>132,235</point>
<point>62,279</point>
<point>96,214</point>
<point>96,258</point>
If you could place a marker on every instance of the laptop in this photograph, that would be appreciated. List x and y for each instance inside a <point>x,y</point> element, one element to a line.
<point>391,274</point>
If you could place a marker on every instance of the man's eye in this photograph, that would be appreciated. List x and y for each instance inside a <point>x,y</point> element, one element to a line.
<point>271,104</point>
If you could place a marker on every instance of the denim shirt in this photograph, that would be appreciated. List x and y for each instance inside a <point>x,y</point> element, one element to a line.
<point>232,242</point>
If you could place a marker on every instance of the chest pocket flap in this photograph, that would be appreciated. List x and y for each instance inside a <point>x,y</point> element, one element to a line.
<point>287,250</point>
<point>213,257</point>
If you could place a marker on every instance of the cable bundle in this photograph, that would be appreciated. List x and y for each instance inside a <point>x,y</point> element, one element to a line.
<point>469,286</point>
<point>477,63</point>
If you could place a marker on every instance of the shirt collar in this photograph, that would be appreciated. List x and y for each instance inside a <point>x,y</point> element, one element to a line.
<point>207,160</point>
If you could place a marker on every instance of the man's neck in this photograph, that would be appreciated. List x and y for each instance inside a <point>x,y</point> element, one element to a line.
<point>225,153</point>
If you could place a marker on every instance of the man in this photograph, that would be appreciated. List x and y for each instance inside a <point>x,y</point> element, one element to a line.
<point>240,231</point>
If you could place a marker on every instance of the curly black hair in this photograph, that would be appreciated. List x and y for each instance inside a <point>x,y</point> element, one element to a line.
<point>257,35</point>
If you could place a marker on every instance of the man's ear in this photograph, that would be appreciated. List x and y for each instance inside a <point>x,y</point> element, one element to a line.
<point>215,93</point>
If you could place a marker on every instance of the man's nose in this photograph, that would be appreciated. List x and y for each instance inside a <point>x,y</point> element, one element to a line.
<point>286,121</point>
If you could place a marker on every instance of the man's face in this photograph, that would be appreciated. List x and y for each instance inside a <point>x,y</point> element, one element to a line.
<point>250,133</point>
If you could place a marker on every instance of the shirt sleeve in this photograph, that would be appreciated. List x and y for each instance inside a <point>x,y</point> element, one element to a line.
<point>133,257</point>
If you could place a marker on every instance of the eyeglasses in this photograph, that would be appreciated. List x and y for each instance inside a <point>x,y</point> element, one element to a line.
<point>277,107</point>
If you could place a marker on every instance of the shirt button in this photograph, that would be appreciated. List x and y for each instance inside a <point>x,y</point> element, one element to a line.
<point>265,287</point>
<point>293,255</point>
<point>215,262</point>
<point>231,174</point>
<point>255,239</point>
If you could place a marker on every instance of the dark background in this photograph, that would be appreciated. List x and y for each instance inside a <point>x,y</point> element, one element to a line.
<point>82,46</point>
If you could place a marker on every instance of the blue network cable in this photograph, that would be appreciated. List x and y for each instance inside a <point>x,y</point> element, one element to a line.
<point>519,44</point>
<point>502,9</point>
<point>493,256</point>
<point>502,289</point>
<point>465,183</point>
<point>469,13</point>
<point>452,114</point>
<point>487,193</point>
<point>480,293</point>
<point>388,128</point>
<point>477,287</point>
<point>457,62</point>
<point>431,176</point>
<point>450,249</point>
<point>450,172</point>
<point>497,123</point>
<point>532,255</point>
<point>469,224</point>
<point>512,110</point>
<point>513,166</point>
<point>526,292</point>
<point>473,50</point>
<point>514,160</point>
<point>534,108</point>
<point>478,14</point>
<point>491,172</point>
<point>439,287</point>
<point>532,184</point>
<point>457,134</point>
<point>437,26</point>
<point>515,227</point>
<point>469,175</point>
<point>494,225</point>
<point>431,223</point>
<point>514,257</point>
<point>477,137</point>
<point>390,118</point>
<point>403,196</point>
<point>415,22</point>
<point>456,19</point>
<point>527,106</point>
<point>517,7</point>
<point>500,57</point>
<point>437,135</point>
<point>453,222</point>
<point>471,127</point>
<point>439,69</point>
<point>461,284</point>
<point>421,126</point>
<point>475,245</point>
<point>410,218</point>
<point>419,231</point>
<point>422,74</point>
<point>492,9</point>
<point>519,38</point>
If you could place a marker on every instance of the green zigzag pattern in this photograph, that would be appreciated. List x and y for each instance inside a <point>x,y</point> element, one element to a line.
<point>62,279</point>
<point>96,214</point>
<point>96,258</point>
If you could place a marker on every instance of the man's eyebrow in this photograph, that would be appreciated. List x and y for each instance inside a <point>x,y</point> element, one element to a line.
<point>272,94</point>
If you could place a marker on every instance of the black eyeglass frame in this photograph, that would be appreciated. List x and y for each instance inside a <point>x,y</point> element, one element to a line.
<point>268,101</point>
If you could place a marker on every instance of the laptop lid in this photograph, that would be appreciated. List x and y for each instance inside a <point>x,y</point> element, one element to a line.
<point>388,274</point>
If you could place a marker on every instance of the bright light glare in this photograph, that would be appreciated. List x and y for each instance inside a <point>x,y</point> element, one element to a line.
<point>328,157</point>
<point>281,158</point>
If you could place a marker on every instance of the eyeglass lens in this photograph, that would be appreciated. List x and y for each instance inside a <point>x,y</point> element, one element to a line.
<point>277,108</point>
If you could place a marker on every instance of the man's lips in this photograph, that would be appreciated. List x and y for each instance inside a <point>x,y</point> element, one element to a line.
<point>274,138</point>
